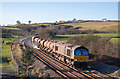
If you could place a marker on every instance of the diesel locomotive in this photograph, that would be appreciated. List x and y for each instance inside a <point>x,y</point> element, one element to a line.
<point>65,52</point>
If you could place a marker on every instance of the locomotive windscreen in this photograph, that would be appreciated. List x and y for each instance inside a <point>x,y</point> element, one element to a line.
<point>81,51</point>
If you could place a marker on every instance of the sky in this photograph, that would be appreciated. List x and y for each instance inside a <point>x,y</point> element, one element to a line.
<point>39,12</point>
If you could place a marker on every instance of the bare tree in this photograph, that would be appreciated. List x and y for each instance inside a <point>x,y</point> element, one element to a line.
<point>18,22</point>
<point>74,19</point>
<point>104,19</point>
<point>29,21</point>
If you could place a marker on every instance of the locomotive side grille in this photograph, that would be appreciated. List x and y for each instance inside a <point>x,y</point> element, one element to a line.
<point>68,52</point>
<point>56,48</point>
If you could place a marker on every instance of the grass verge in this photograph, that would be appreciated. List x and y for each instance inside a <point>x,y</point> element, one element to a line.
<point>7,66</point>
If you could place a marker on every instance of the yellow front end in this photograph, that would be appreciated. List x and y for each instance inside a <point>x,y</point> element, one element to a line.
<point>78,58</point>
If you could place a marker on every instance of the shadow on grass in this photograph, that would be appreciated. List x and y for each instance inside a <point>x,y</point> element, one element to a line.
<point>5,60</point>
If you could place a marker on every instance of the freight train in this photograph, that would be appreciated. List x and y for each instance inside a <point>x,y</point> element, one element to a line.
<point>65,52</point>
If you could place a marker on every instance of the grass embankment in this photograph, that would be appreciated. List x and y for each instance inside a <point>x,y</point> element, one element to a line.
<point>115,41</point>
<point>99,26</point>
<point>6,49</point>
<point>6,65</point>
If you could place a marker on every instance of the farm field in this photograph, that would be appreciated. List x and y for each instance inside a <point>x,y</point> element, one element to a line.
<point>32,24</point>
<point>40,24</point>
<point>99,26</point>
<point>99,34</point>
<point>11,28</point>
<point>64,38</point>
<point>61,39</point>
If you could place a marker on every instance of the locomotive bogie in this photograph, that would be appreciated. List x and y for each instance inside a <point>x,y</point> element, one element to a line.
<point>62,58</point>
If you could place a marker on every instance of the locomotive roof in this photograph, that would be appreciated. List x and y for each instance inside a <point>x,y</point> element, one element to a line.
<point>65,44</point>
<point>69,45</point>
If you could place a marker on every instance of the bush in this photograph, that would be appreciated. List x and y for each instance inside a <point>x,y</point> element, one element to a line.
<point>45,33</point>
<point>96,44</point>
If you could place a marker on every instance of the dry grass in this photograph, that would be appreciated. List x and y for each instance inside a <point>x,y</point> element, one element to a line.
<point>10,28</point>
<point>100,26</point>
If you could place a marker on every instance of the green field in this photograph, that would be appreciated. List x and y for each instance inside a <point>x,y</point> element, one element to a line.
<point>40,24</point>
<point>99,34</point>
<point>66,37</point>
<point>61,39</point>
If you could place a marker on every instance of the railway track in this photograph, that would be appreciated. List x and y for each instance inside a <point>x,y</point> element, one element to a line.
<point>54,65</point>
<point>78,70</point>
<point>95,75</point>
<point>61,68</point>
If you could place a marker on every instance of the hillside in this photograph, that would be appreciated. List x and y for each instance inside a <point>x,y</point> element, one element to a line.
<point>99,26</point>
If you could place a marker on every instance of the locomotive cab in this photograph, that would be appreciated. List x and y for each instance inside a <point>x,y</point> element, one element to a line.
<point>81,54</point>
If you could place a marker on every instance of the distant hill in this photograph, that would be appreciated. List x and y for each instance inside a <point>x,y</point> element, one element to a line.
<point>101,26</point>
<point>96,25</point>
